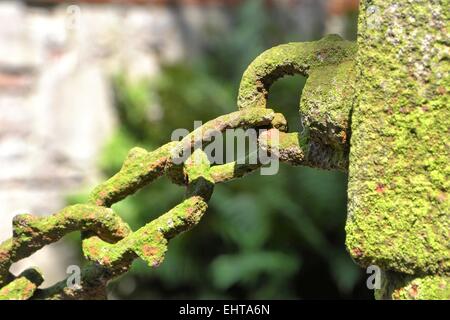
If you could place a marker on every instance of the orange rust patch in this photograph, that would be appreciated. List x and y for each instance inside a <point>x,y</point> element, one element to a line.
<point>122,232</point>
<point>343,136</point>
<point>3,255</point>
<point>357,252</point>
<point>30,288</point>
<point>380,188</point>
<point>106,260</point>
<point>93,251</point>
<point>103,194</point>
<point>442,197</point>
<point>189,211</point>
<point>149,250</point>
<point>413,292</point>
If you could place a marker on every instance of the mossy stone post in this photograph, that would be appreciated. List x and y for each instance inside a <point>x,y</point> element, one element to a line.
<point>399,148</point>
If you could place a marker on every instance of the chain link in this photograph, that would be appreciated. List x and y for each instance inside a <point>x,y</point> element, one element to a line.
<point>110,245</point>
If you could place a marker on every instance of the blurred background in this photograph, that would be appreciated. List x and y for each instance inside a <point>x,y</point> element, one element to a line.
<point>82,82</point>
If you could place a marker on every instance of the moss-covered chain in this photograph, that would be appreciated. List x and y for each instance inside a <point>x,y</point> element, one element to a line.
<point>111,246</point>
<point>326,107</point>
<point>31,233</point>
<point>142,167</point>
<point>326,100</point>
<point>149,242</point>
<point>103,227</point>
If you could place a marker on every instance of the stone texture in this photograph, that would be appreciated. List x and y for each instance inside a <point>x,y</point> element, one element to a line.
<point>399,217</point>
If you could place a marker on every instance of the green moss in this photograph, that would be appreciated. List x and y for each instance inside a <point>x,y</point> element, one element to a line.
<point>299,57</point>
<point>399,211</point>
<point>403,287</point>
<point>326,101</point>
<point>398,203</point>
<point>232,170</point>
<point>150,242</point>
<point>31,233</point>
<point>23,287</point>
<point>288,147</point>
<point>140,168</point>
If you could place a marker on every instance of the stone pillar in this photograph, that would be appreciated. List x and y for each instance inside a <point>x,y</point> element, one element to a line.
<point>399,214</point>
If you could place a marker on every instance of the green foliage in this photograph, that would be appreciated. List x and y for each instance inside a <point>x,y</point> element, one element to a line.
<point>263,236</point>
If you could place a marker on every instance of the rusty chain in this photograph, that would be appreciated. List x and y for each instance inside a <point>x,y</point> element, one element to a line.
<point>110,245</point>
